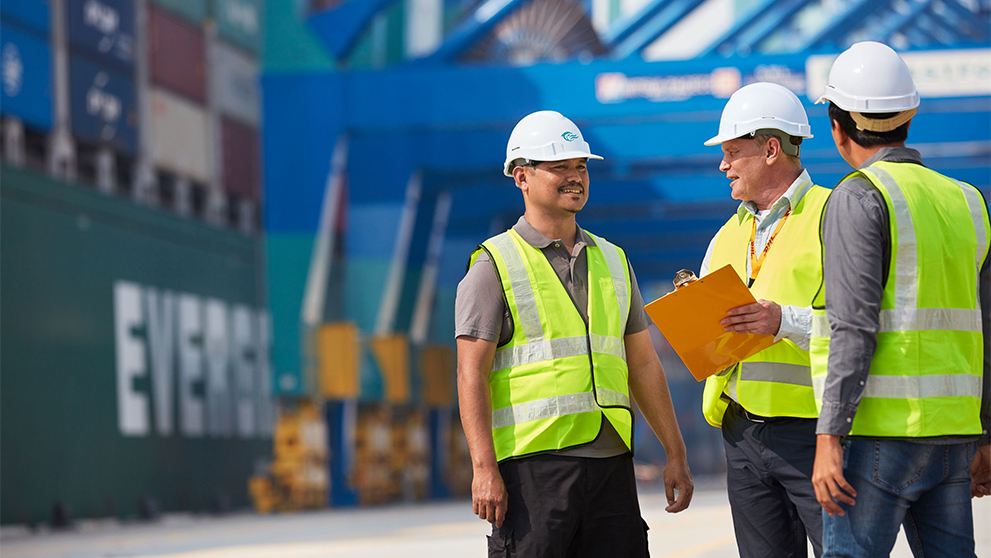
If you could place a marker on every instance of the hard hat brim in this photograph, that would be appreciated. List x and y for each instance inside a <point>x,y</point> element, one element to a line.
<point>563,156</point>
<point>719,139</point>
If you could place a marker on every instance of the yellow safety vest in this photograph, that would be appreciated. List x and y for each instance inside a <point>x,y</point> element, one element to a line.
<point>555,379</point>
<point>776,382</point>
<point>926,375</point>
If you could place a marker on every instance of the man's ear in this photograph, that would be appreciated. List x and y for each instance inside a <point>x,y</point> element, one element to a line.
<point>840,138</point>
<point>519,175</point>
<point>772,150</point>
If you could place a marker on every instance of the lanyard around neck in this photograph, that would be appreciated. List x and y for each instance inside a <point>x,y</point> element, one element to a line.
<point>755,262</point>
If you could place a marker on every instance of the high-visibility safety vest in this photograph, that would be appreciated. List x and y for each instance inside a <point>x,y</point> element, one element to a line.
<point>926,375</point>
<point>554,380</point>
<point>776,382</point>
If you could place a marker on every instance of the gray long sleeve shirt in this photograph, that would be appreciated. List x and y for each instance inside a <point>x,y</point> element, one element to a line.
<point>857,253</point>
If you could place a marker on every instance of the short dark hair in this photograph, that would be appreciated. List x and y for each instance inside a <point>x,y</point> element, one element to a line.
<point>867,138</point>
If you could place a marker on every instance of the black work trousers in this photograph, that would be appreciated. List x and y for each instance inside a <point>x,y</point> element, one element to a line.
<point>769,480</point>
<point>570,507</point>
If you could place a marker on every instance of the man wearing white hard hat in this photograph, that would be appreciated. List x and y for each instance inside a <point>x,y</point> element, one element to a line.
<point>764,404</point>
<point>552,343</point>
<point>901,347</point>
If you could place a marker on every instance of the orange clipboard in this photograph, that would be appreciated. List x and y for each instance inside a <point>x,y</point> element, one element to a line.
<point>689,319</point>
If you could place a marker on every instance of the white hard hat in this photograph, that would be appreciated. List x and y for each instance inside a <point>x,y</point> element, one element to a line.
<point>762,106</point>
<point>868,78</point>
<point>545,136</point>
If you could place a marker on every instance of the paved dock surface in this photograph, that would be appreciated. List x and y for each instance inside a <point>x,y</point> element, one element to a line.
<point>430,530</point>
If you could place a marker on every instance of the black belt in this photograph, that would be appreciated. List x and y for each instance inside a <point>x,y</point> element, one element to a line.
<point>750,416</point>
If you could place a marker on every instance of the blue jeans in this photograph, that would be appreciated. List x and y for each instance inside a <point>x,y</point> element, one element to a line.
<point>924,487</point>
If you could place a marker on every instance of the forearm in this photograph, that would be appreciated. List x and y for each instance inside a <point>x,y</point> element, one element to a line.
<point>475,403</point>
<point>649,387</point>
<point>476,419</point>
<point>854,241</point>
<point>654,401</point>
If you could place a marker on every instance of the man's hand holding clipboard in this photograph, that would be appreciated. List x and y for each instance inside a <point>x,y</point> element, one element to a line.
<point>690,317</point>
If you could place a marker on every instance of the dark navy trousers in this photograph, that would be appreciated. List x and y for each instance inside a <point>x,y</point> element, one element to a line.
<point>769,479</point>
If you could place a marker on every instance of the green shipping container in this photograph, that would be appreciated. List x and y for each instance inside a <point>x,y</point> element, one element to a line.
<point>135,356</point>
<point>240,22</point>
<point>193,10</point>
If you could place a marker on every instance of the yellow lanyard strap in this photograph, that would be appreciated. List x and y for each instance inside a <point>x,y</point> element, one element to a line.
<point>755,262</point>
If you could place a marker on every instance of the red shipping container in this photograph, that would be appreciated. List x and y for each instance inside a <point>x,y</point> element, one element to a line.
<point>242,167</point>
<point>177,54</point>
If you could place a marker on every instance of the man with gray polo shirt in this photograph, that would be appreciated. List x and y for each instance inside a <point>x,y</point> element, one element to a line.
<point>552,341</point>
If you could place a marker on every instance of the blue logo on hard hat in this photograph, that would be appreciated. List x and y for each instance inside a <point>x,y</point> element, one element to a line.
<point>569,136</point>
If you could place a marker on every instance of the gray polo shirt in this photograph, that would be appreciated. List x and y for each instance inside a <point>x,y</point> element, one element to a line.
<point>857,252</point>
<point>480,310</point>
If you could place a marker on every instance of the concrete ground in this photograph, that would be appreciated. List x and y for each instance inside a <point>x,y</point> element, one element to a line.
<point>437,529</point>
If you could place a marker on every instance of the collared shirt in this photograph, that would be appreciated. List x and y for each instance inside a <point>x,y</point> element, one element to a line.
<point>480,310</point>
<point>857,238</point>
<point>796,321</point>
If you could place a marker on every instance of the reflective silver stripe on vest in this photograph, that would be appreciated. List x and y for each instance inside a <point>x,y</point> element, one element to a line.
<point>779,372</point>
<point>544,349</point>
<point>906,260</point>
<point>539,351</point>
<point>915,387</point>
<point>926,319</point>
<point>610,398</point>
<point>555,407</point>
<point>914,319</point>
<point>615,263</point>
<point>976,211</point>
<point>526,304</point>
<point>820,326</point>
<point>608,345</point>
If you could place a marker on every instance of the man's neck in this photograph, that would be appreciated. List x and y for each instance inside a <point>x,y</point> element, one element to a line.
<point>858,154</point>
<point>781,183</point>
<point>554,228</point>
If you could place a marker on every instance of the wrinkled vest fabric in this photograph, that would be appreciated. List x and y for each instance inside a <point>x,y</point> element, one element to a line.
<point>776,382</point>
<point>554,380</point>
<point>926,375</point>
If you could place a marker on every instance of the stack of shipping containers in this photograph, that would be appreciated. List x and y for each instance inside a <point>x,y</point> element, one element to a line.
<point>103,100</point>
<point>136,372</point>
<point>26,74</point>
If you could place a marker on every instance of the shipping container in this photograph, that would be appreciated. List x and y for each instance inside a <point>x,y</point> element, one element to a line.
<point>193,10</point>
<point>179,135</point>
<point>240,22</point>
<point>176,55</point>
<point>104,105</point>
<point>103,30</point>
<point>241,158</point>
<point>135,356</point>
<point>26,63</point>
<point>32,15</point>
<point>234,82</point>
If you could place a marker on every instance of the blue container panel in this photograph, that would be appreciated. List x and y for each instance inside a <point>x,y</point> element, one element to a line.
<point>30,14</point>
<point>103,29</point>
<point>27,77</point>
<point>104,105</point>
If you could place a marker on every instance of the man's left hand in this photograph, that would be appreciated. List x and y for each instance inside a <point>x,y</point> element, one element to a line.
<point>762,317</point>
<point>827,476</point>
<point>980,472</point>
<point>678,477</point>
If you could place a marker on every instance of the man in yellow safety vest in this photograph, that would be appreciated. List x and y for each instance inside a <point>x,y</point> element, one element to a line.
<point>552,342</point>
<point>901,349</point>
<point>764,404</point>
